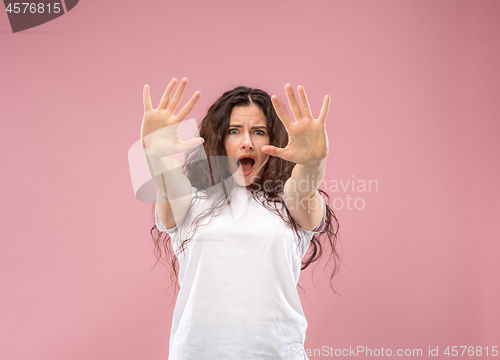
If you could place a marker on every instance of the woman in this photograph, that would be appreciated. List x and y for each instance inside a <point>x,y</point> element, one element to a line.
<point>240,220</point>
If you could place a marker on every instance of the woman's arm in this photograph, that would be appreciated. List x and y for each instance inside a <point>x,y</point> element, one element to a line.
<point>308,148</point>
<point>160,141</point>
<point>174,194</point>
<point>302,198</point>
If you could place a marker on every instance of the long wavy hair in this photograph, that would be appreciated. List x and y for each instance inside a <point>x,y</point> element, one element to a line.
<point>206,166</point>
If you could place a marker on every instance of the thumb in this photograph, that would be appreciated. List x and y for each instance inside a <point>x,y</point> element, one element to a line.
<point>272,150</point>
<point>189,144</point>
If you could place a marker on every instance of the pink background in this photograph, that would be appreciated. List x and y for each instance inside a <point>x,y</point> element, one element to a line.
<point>414,86</point>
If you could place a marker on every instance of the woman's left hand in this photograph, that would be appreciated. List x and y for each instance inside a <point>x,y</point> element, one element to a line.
<point>307,139</point>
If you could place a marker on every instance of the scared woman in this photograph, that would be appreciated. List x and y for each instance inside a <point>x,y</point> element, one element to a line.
<point>243,216</point>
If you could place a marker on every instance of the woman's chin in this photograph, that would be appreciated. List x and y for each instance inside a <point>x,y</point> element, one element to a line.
<point>242,180</point>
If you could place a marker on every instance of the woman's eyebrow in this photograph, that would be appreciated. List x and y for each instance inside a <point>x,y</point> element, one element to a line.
<point>253,127</point>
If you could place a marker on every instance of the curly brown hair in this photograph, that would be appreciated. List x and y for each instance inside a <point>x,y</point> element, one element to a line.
<point>206,166</point>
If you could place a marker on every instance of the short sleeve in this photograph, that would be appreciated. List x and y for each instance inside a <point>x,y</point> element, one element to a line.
<point>321,225</point>
<point>172,230</point>
<point>161,227</point>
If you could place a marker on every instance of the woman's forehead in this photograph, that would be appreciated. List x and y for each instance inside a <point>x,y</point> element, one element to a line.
<point>251,114</point>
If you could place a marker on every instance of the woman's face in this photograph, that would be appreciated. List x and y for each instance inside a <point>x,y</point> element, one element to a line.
<point>246,135</point>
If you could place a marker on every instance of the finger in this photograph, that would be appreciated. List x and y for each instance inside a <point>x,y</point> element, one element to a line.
<point>294,106</point>
<point>166,95</point>
<point>188,107</point>
<point>304,103</point>
<point>189,144</point>
<point>324,109</point>
<point>280,111</point>
<point>177,96</point>
<point>146,99</point>
<point>273,150</point>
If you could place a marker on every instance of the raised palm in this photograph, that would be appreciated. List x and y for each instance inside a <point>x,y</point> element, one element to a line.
<point>159,126</point>
<point>307,138</point>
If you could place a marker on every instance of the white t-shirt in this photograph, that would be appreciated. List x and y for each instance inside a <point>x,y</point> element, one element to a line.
<point>238,275</point>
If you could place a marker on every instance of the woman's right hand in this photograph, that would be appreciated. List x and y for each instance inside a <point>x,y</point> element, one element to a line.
<point>159,126</point>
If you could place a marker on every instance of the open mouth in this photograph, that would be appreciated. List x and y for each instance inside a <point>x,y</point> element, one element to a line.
<point>245,165</point>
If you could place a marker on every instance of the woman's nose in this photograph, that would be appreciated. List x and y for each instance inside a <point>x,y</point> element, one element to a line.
<point>247,142</point>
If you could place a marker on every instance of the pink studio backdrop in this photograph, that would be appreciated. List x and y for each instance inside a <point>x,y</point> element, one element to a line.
<point>414,86</point>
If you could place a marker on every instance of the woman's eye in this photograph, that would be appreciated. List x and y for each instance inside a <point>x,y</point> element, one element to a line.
<point>233,131</point>
<point>260,132</point>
